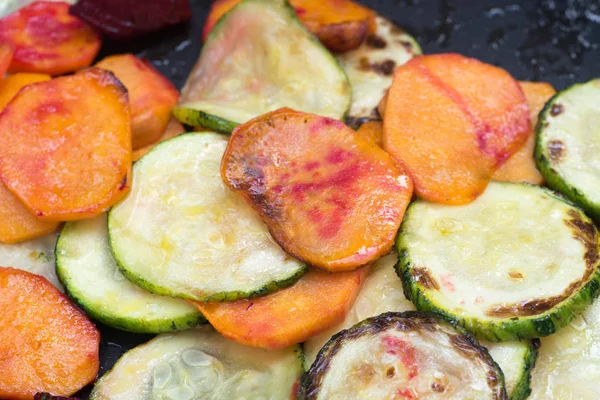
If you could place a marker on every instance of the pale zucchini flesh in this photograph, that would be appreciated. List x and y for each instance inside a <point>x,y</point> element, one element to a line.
<point>181,232</point>
<point>200,364</point>
<point>568,144</point>
<point>516,360</point>
<point>515,263</point>
<point>258,58</point>
<point>89,272</point>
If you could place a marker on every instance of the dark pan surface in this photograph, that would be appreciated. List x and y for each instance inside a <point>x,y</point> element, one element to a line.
<point>544,40</point>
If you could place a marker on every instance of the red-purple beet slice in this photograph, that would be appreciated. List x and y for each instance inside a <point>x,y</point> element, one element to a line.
<point>122,19</point>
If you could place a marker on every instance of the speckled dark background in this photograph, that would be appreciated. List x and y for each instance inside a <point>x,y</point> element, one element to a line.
<point>543,40</point>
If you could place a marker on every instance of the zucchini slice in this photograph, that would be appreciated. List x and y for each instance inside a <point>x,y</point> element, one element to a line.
<point>404,355</point>
<point>85,265</point>
<point>370,68</point>
<point>568,142</point>
<point>258,58</point>
<point>514,264</point>
<point>182,233</point>
<point>382,292</point>
<point>35,256</point>
<point>200,364</point>
<point>568,365</point>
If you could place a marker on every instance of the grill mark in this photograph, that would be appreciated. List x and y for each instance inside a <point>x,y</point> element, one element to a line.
<point>376,42</point>
<point>556,150</point>
<point>557,109</point>
<point>422,276</point>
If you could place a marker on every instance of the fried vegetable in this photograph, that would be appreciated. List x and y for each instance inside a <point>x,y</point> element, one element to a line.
<point>516,263</point>
<point>48,40</point>
<point>520,167</point>
<point>10,6</point>
<point>11,85</point>
<point>174,128</point>
<point>47,344</point>
<point>48,396</point>
<point>151,96</point>
<point>65,145</point>
<point>230,84</point>
<point>123,19</point>
<point>372,132</point>
<point>407,355</point>
<point>291,315</point>
<point>328,196</point>
<point>6,54</point>
<point>453,120</point>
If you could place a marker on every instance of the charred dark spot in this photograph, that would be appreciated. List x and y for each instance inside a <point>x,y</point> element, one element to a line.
<point>438,387</point>
<point>390,373</point>
<point>492,378</point>
<point>515,275</point>
<point>536,343</point>
<point>586,233</point>
<point>377,42</point>
<point>556,150</point>
<point>422,276</point>
<point>386,67</point>
<point>123,183</point>
<point>556,109</point>
<point>407,45</point>
<point>254,184</point>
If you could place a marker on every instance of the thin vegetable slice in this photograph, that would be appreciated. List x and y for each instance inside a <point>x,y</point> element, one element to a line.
<point>520,167</point>
<point>48,40</point>
<point>516,263</point>
<point>517,360</point>
<point>370,68</point>
<point>10,6</point>
<point>182,233</point>
<point>47,344</point>
<point>6,54</point>
<point>567,143</point>
<point>86,267</point>
<point>404,355</point>
<point>11,85</point>
<point>371,131</point>
<point>151,96</point>
<point>313,181</point>
<point>201,364</point>
<point>174,128</point>
<point>453,120</point>
<point>230,84</point>
<point>289,316</point>
<point>65,145</point>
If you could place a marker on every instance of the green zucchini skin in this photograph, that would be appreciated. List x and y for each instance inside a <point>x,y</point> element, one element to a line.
<point>523,388</point>
<point>197,118</point>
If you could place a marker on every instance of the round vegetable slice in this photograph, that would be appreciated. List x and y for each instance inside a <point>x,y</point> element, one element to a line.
<point>11,85</point>
<point>516,263</point>
<point>404,355</point>
<point>182,233</point>
<point>9,6</point>
<point>328,196</point>
<point>48,40</point>
<point>517,360</point>
<point>230,85</point>
<point>85,265</point>
<point>72,158</point>
<point>47,344</point>
<point>201,364</point>
<point>567,139</point>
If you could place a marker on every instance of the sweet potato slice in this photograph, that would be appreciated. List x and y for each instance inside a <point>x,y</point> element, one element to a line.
<point>11,85</point>
<point>151,96</point>
<point>46,343</point>
<point>371,131</point>
<point>520,167</point>
<point>316,302</point>
<point>65,145</point>
<point>6,54</point>
<point>174,128</point>
<point>47,39</point>
<point>329,197</point>
<point>443,121</point>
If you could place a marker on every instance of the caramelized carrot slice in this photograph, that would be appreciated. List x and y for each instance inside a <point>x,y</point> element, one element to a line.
<point>46,343</point>
<point>6,54</point>
<point>316,302</point>
<point>151,96</point>
<point>313,181</point>
<point>11,85</point>
<point>520,167</point>
<point>47,39</point>
<point>371,131</point>
<point>65,145</point>
<point>174,128</point>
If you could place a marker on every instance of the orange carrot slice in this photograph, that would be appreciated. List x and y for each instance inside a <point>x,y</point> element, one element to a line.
<point>6,54</point>
<point>313,181</point>
<point>453,120</point>
<point>65,145</point>
<point>520,167</point>
<point>46,343</point>
<point>372,132</point>
<point>174,128</point>
<point>151,96</point>
<point>47,39</point>
<point>316,302</point>
<point>382,104</point>
<point>11,85</point>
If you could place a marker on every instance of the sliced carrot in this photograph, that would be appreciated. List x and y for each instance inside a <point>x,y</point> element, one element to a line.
<point>11,85</point>
<point>313,181</point>
<point>371,131</point>
<point>453,138</point>
<point>46,343</point>
<point>382,104</point>
<point>6,55</point>
<point>47,39</point>
<point>174,128</point>
<point>151,96</point>
<point>520,167</point>
<point>316,302</point>
<point>65,145</point>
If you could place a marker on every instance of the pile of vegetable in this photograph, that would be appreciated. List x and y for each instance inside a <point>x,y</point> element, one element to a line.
<point>345,218</point>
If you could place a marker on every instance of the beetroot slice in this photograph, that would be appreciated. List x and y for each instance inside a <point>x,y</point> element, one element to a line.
<point>122,19</point>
